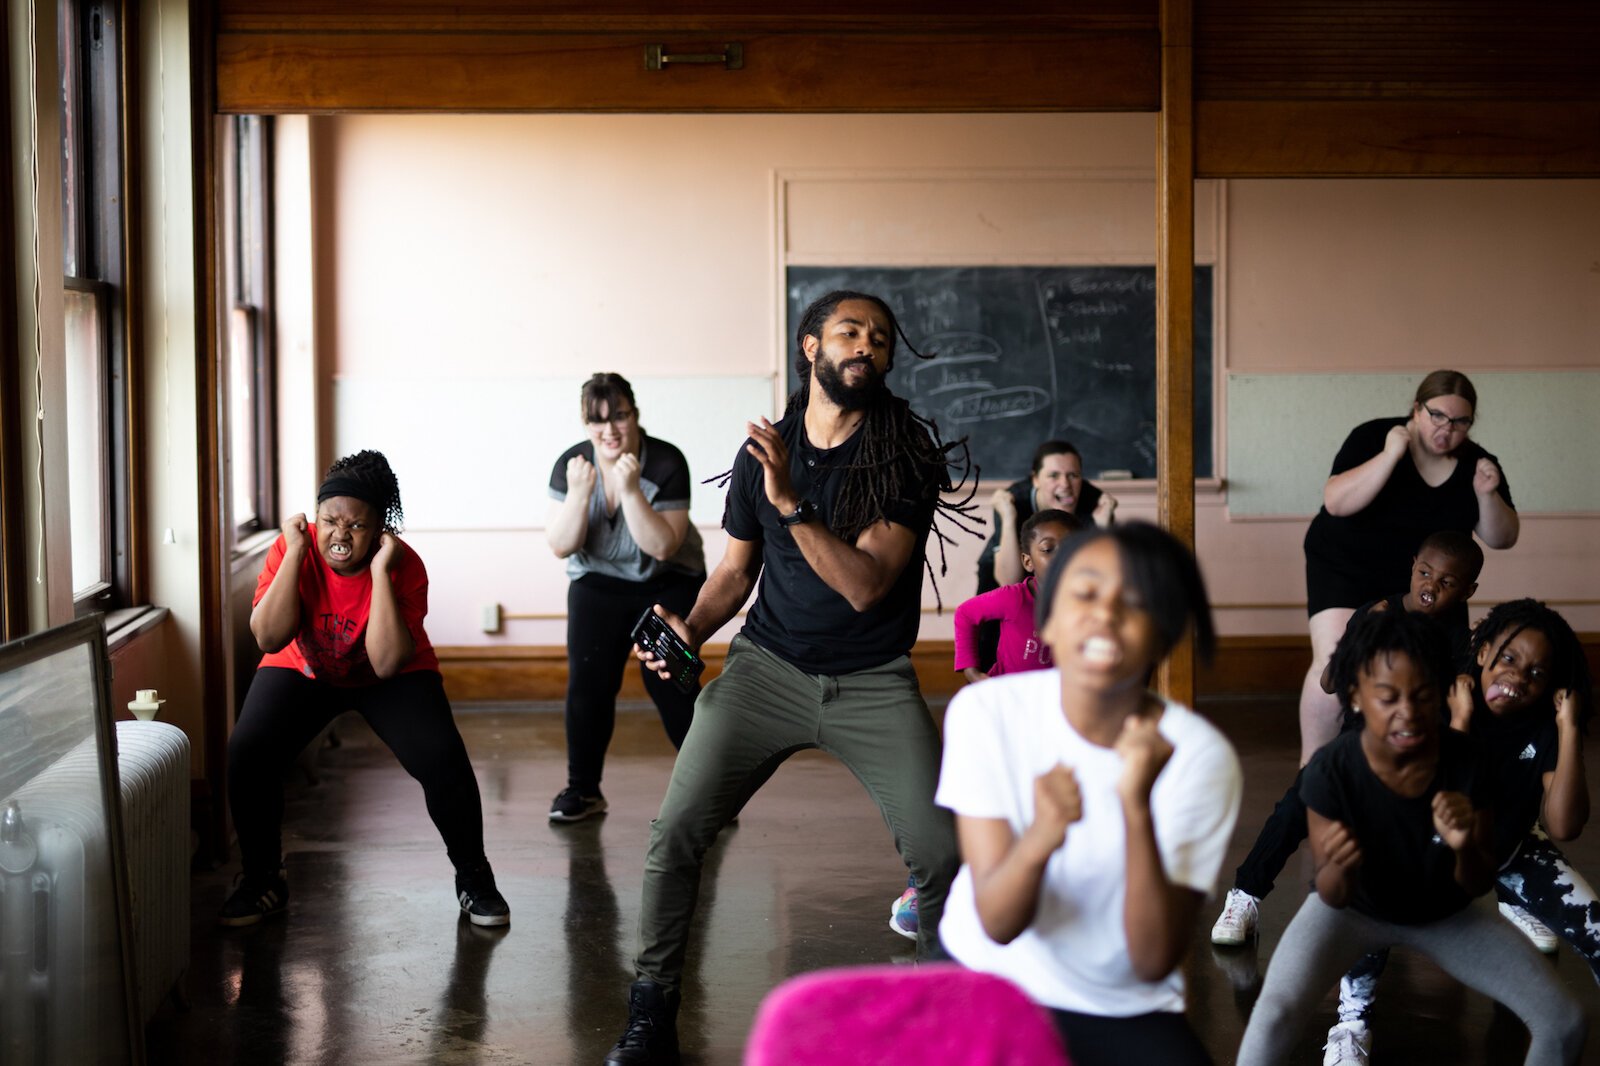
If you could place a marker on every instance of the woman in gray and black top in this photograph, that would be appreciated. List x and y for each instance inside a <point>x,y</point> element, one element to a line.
<point>621,521</point>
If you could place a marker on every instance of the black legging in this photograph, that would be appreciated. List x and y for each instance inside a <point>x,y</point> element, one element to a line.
<point>601,612</point>
<point>409,712</point>
<point>1277,842</point>
<point>1159,1037</point>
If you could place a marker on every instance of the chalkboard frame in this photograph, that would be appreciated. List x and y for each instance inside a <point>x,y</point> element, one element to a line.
<point>1088,323</point>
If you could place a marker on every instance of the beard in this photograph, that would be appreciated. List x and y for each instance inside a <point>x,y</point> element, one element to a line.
<point>847,397</point>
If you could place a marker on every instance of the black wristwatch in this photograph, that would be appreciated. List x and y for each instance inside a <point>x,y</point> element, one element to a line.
<point>805,511</point>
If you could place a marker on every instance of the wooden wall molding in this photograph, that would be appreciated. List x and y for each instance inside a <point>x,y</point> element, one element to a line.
<point>1325,88</point>
<point>818,72</point>
<point>1245,666</point>
<point>1388,138</point>
<point>703,16</point>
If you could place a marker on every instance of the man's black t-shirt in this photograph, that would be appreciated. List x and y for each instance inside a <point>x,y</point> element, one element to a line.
<point>796,616</point>
<point>1407,873</point>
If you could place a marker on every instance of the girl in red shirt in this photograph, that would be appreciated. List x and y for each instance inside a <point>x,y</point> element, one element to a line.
<point>338,612</point>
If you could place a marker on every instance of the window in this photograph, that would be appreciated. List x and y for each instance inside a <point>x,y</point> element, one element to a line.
<point>92,242</point>
<point>246,263</point>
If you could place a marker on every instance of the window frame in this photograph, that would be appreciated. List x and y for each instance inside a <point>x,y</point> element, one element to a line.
<point>95,247</point>
<point>245,266</point>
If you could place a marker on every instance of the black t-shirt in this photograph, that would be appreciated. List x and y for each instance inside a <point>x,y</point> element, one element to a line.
<point>1407,874</point>
<point>1022,495</point>
<point>1520,750</point>
<point>796,615</point>
<point>1378,542</point>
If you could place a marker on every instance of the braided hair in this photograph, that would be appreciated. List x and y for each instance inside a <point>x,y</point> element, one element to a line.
<point>901,458</point>
<point>1569,668</point>
<point>370,469</point>
<point>1388,633</point>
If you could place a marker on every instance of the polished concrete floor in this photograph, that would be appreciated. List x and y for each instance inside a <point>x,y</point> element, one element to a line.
<point>371,964</point>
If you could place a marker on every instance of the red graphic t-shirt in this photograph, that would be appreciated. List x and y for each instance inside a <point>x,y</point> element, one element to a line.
<point>332,643</point>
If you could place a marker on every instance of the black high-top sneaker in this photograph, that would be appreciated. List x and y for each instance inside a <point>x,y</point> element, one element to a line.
<point>651,1038</point>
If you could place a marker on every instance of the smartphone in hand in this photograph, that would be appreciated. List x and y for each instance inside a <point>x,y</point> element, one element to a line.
<point>661,641</point>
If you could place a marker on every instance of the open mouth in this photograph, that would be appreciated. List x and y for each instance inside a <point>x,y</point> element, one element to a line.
<point>339,552</point>
<point>1427,597</point>
<point>1100,651</point>
<point>1406,739</point>
<point>1503,692</point>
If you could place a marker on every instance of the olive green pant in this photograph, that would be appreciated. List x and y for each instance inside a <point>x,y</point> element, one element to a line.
<point>756,714</point>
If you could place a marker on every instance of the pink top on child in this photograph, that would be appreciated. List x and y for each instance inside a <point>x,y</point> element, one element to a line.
<point>1020,648</point>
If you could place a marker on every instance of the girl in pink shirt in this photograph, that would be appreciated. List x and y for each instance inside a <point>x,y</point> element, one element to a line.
<point>1012,605</point>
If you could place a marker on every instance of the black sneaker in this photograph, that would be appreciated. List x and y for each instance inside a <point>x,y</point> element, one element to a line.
<point>651,1038</point>
<point>255,898</point>
<point>480,901</point>
<point>569,806</point>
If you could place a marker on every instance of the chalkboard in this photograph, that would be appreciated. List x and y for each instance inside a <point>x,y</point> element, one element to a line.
<point>1030,353</point>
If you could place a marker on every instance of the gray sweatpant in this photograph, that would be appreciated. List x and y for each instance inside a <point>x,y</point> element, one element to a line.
<point>756,714</point>
<point>1475,946</point>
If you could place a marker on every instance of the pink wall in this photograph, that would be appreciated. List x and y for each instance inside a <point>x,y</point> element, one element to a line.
<point>521,248</point>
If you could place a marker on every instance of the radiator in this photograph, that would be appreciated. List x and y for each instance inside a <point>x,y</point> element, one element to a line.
<point>153,763</point>
<point>58,919</point>
<point>57,916</point>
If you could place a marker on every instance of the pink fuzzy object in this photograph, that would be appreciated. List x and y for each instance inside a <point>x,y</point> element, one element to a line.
<point>860,1016</point>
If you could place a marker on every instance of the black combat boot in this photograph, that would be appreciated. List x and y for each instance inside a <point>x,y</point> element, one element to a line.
<point>651,1038</point>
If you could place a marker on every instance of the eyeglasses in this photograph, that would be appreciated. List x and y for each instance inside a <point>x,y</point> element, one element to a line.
<point>1440,419</point>
<point>616,418</point>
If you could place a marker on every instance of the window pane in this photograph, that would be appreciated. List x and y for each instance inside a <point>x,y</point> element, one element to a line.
<point>242,413</point>
<point>86,439</point>
<point>73,140</point>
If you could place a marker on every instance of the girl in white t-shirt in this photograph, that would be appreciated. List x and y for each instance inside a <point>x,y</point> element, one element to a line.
<point>1059,780</point>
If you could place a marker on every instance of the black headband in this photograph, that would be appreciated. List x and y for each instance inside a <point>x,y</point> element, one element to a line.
<point>360,490</point>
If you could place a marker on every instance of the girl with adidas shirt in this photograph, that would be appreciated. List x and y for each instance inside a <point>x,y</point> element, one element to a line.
<point>1401,818</point>
<point>1525,705</point>
<point>1092,815</point>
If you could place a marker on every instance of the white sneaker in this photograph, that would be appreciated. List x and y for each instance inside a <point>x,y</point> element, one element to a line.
<point>1349,1044</point>
<point>1543,937</point>
<point>1238,920</point>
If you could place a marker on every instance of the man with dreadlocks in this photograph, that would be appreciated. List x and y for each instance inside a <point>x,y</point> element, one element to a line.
<point>830,508</point>
<point>338,611</point>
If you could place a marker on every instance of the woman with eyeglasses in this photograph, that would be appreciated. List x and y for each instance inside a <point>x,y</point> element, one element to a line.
<point>1395,482</point>
<point>620,518</point>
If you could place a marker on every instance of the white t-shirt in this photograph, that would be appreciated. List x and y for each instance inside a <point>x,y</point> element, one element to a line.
<point>998,737</point>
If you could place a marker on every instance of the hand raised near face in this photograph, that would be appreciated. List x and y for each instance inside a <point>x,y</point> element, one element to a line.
<point>1340,847</point>
<point>1460,701</point>
<point>1005,505</point>
<point>1144,752</point>
<point>388,553</point>
<point>1105,511</point>
<point>1398,439</point>
<point>1566,701</point>
<point>1486,477</point>
<point>767,446</point>
<point>1057,803</point>
<point>295,534</point>
<point>1453,819</point>
<point>580,477</point>
<point>625,475</point>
